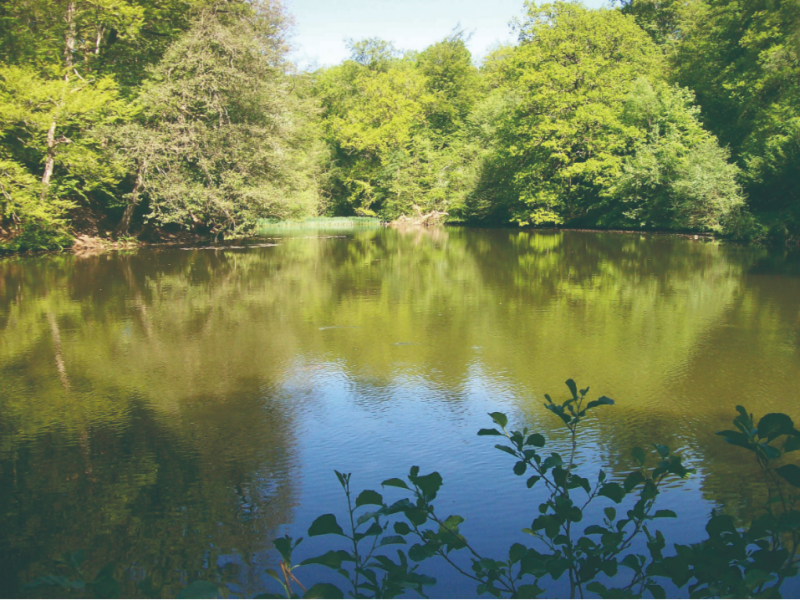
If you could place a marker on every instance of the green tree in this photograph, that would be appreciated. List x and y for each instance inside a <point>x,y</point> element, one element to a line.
<point>220,142</point>
<point>50,132</point>
<point>743,62</point>
<point>571,74</point>
<point>678,176</point>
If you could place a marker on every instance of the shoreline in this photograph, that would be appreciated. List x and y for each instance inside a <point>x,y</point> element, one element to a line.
<point>86,245</point>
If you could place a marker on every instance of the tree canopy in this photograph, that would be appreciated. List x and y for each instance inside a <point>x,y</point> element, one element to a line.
<point>188,115</point>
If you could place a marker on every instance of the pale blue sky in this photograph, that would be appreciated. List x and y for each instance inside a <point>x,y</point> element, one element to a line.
<point>322,26</point>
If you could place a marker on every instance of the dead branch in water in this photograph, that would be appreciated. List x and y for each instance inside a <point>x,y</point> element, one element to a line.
<point>430,219</point>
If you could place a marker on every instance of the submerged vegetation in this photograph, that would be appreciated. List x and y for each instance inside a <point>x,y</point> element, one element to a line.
<point>135,116</point>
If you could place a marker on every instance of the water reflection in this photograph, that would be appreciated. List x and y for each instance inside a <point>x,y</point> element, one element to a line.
<point>172,409</point>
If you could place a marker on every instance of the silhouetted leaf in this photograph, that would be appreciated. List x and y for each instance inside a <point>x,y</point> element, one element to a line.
<point>332,559</point>
<point>369,497</point>
<point>506,449</point>
<point>535,439</point>
<point>324,525</point>
<point>639,455</point>
<point>391,539</point>
<point>663,514</point>
<point>429,484</point>
<point>737,438</point>
<point>530,590</point>
<point>402,528</point>
<point>790,473</point>
<point>632,480</point>
<point>662,450</point>
<point>489,432</point>
<point>601,401</point>
<point>395,482</point>
<point>773,425</point>
<point>614,491</point>
<point>572,388</point>
<point>499,418</point>
<point>324,590</point>
<point>792,444</point>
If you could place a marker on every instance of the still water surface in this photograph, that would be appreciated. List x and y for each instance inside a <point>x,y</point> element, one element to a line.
<point>174,410</point>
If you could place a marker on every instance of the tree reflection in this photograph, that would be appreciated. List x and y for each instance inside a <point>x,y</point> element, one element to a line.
<point>149,400</point>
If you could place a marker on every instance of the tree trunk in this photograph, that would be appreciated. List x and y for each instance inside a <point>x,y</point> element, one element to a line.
<point>69,38</point>
<point>50,160</point>
<point>125,222</point>
<point>69,48</point>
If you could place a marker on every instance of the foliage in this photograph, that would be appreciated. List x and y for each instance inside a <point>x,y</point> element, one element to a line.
<point>394,126</point>
<point>602,558</point>
<point>55,119</point>
<point>677,176</point>
<point>741,59</point>
<point>219,145</point>
<point>187,114</point>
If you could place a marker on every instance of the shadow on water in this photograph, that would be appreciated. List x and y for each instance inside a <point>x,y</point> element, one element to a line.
<point>173,410</point>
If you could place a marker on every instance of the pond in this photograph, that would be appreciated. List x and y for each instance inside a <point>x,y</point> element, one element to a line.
<point>173,410</point>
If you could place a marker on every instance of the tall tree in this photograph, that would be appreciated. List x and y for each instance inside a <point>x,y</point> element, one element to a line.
<point>220,141</point>
<point>742,59</point>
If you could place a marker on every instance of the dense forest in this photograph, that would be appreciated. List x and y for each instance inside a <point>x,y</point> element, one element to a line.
<point>138,117</point>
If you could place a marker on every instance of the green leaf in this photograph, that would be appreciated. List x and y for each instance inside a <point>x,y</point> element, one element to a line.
<point>532,481</point>
<point>419,553</point>
<point>391,539</point>
<point>639,455</point>
<point>499,418</point>
<point>737,438</point>
<point>792,444</point>
<point>773,425</point>
<point>489,432</point>
<point>632,480</point>
<point>520,467</point>
<point>324,590</point>
<point>516,552</point>
<point>332,559</point>
<point>656,590</point>
<point>369,497</point>
<point>610,512</point>
<point>506,449</point>
<point>662,450</point>
<point>429,484</point>
<point>530,590</point>
<point>790,473</point>
<point>325,525</point>
<point>535,439</point>
<point>572,388</point>
<point>769,451</point>
<point>200,589</point>
<point>612,490</point>
<point>631,561</point>
<point>601,401</point>
<point>395,482</point>
<point>284,546</point>
<point>402,528</point>
<point>665,514</point>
